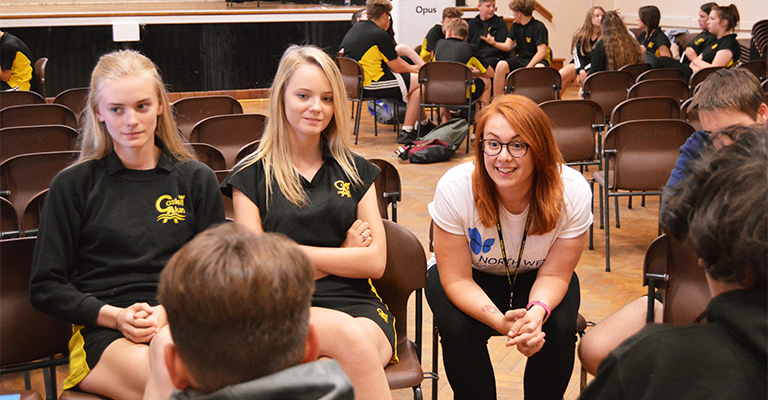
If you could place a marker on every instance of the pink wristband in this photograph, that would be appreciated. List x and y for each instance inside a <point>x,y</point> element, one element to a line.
<point>543,305</point>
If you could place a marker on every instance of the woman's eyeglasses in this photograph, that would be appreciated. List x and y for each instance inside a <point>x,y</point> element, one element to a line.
<point>515,148</point>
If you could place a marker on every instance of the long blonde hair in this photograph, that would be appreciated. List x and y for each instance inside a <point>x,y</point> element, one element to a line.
<point>620,47</point>
<point>274,151</point>
<point>95,141</point>
<point>583,36</point>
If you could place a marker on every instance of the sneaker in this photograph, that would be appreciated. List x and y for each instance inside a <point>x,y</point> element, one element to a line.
<point>426,128</point>
<point>406,137</point>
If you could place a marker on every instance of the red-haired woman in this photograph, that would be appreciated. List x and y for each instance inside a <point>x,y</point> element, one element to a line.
<point>509,231</point>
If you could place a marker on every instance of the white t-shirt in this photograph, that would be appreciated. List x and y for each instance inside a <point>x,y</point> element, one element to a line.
<point>453,210</point>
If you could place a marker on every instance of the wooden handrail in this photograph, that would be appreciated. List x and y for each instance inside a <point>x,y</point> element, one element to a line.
<point>543,11</point>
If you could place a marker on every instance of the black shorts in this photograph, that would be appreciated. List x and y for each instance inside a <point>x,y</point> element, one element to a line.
<point>358,298</point>
<point>389,86</point>
<point>85,349</point>
<point>479,87</point>
<point>519,62</point>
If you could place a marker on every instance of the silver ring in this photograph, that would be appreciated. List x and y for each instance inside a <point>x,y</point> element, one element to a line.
<point>364,237</point>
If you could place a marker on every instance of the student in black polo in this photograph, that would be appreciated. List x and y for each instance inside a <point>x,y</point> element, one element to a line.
<point>532,44</point>
<point>455,48</point>
<point>486,29</point>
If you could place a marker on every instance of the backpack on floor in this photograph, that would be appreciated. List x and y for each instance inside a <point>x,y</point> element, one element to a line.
<point>453,132</point>
<point>385,110</point>
<point>426,151</point>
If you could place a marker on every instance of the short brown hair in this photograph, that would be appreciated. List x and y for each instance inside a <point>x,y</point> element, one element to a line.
<point>377,8</point>
<point>532,125</point>
<point>458,27</point>
<point>524,7</point>
<point>237,304</point>
<point>452,12</point>
<point>733,89</point>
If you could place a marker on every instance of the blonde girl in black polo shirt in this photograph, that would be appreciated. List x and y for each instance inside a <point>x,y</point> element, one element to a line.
<point>304,182</point>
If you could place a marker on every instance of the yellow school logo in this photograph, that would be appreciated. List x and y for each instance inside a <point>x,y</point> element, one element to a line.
<point>343,188</point>
<point>528,40</point>
<point>383,315</point>
<point>714,46</point>
<point>170,208</point>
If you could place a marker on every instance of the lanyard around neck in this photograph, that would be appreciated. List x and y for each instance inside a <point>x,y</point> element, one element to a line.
<point>510,279</point>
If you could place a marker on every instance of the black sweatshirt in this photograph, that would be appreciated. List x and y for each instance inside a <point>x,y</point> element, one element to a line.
<point>106,232</point>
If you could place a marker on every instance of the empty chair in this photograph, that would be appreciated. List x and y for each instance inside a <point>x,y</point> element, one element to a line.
<point>37,114</point>
<point>74,99</point>
<point>575,123</point>
<point>661,107</point>
<point>30,218</point>
<point>662,73</point>
<point>210,156</point>
<point>636,69</point>
<point>229,133</point>
<point>19,98</point>
<point>246,150</point>
<point>405,273</point>
<point>23,177</point>
<point>537,84</point>
<point>388,188</point>
<point>352,75</point>
<point>691,118</point>
<point>29,339</point>
<point>674,88</point>
<point>607,88</point>
<point>447,84</point>
<point>36,139</point>
<point>9,222</point>
<point>40,66</point>
<point>756,67</point>
<point>191,110</point>
<point>672,267</point>
<point>699,76</point>
<point>638,157</point>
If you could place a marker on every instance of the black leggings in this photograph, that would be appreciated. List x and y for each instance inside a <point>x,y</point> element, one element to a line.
<point>465,339</point>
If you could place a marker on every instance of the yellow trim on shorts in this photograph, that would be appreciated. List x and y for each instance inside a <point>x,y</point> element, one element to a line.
<point>394,359</point>
<point>78,367</point>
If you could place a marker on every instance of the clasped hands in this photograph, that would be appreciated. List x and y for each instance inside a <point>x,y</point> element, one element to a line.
<point>525,330</point>
<point>140,322</point>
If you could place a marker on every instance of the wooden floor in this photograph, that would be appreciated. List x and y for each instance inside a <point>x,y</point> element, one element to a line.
<point>601,292</point>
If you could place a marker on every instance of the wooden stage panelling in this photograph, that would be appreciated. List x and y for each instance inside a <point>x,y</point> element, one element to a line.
<point>198,46</point>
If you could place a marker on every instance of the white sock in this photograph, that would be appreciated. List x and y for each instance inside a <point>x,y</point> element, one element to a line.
<point>408,128</point>
<point>426,121</point>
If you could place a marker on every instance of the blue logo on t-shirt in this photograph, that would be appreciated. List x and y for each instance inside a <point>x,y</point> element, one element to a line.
<point>477,244</point>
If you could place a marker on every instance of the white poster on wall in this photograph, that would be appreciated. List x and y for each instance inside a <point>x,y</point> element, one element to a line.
<point>413,18</point>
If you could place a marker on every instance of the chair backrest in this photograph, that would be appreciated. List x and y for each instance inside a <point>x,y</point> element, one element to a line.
<point>26,334</point>
<point>756,67</point>
<point>37,114</point>
<point>74,99</point>
<point>9,222</point>
<point>352,75</point>
<point>662,73</point>
<point>537,84</point>
<point>26,175</point>
<point>191,110</point>
<point>573,126</point>
<point>406,272</point>
<point>674,88</point>
<point>691,118</point>
<point>607,88</point>
<point>388,188</point>
<point>636,69</point>
<point>644,152</point>
<point>40,66</point>
<point>30,218</point>
<point>229,133</point>
<point>700,75</point>
<point>19,98</point>
<point>765,86</point>
<point>246,150</point>
<point>210,156</point>
<point>445,83</point>
<point>36,139</point>
<point>685,291</point>
<point>661,107</point>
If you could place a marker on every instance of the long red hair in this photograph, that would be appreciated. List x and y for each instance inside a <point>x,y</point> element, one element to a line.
<point>532,125</point>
